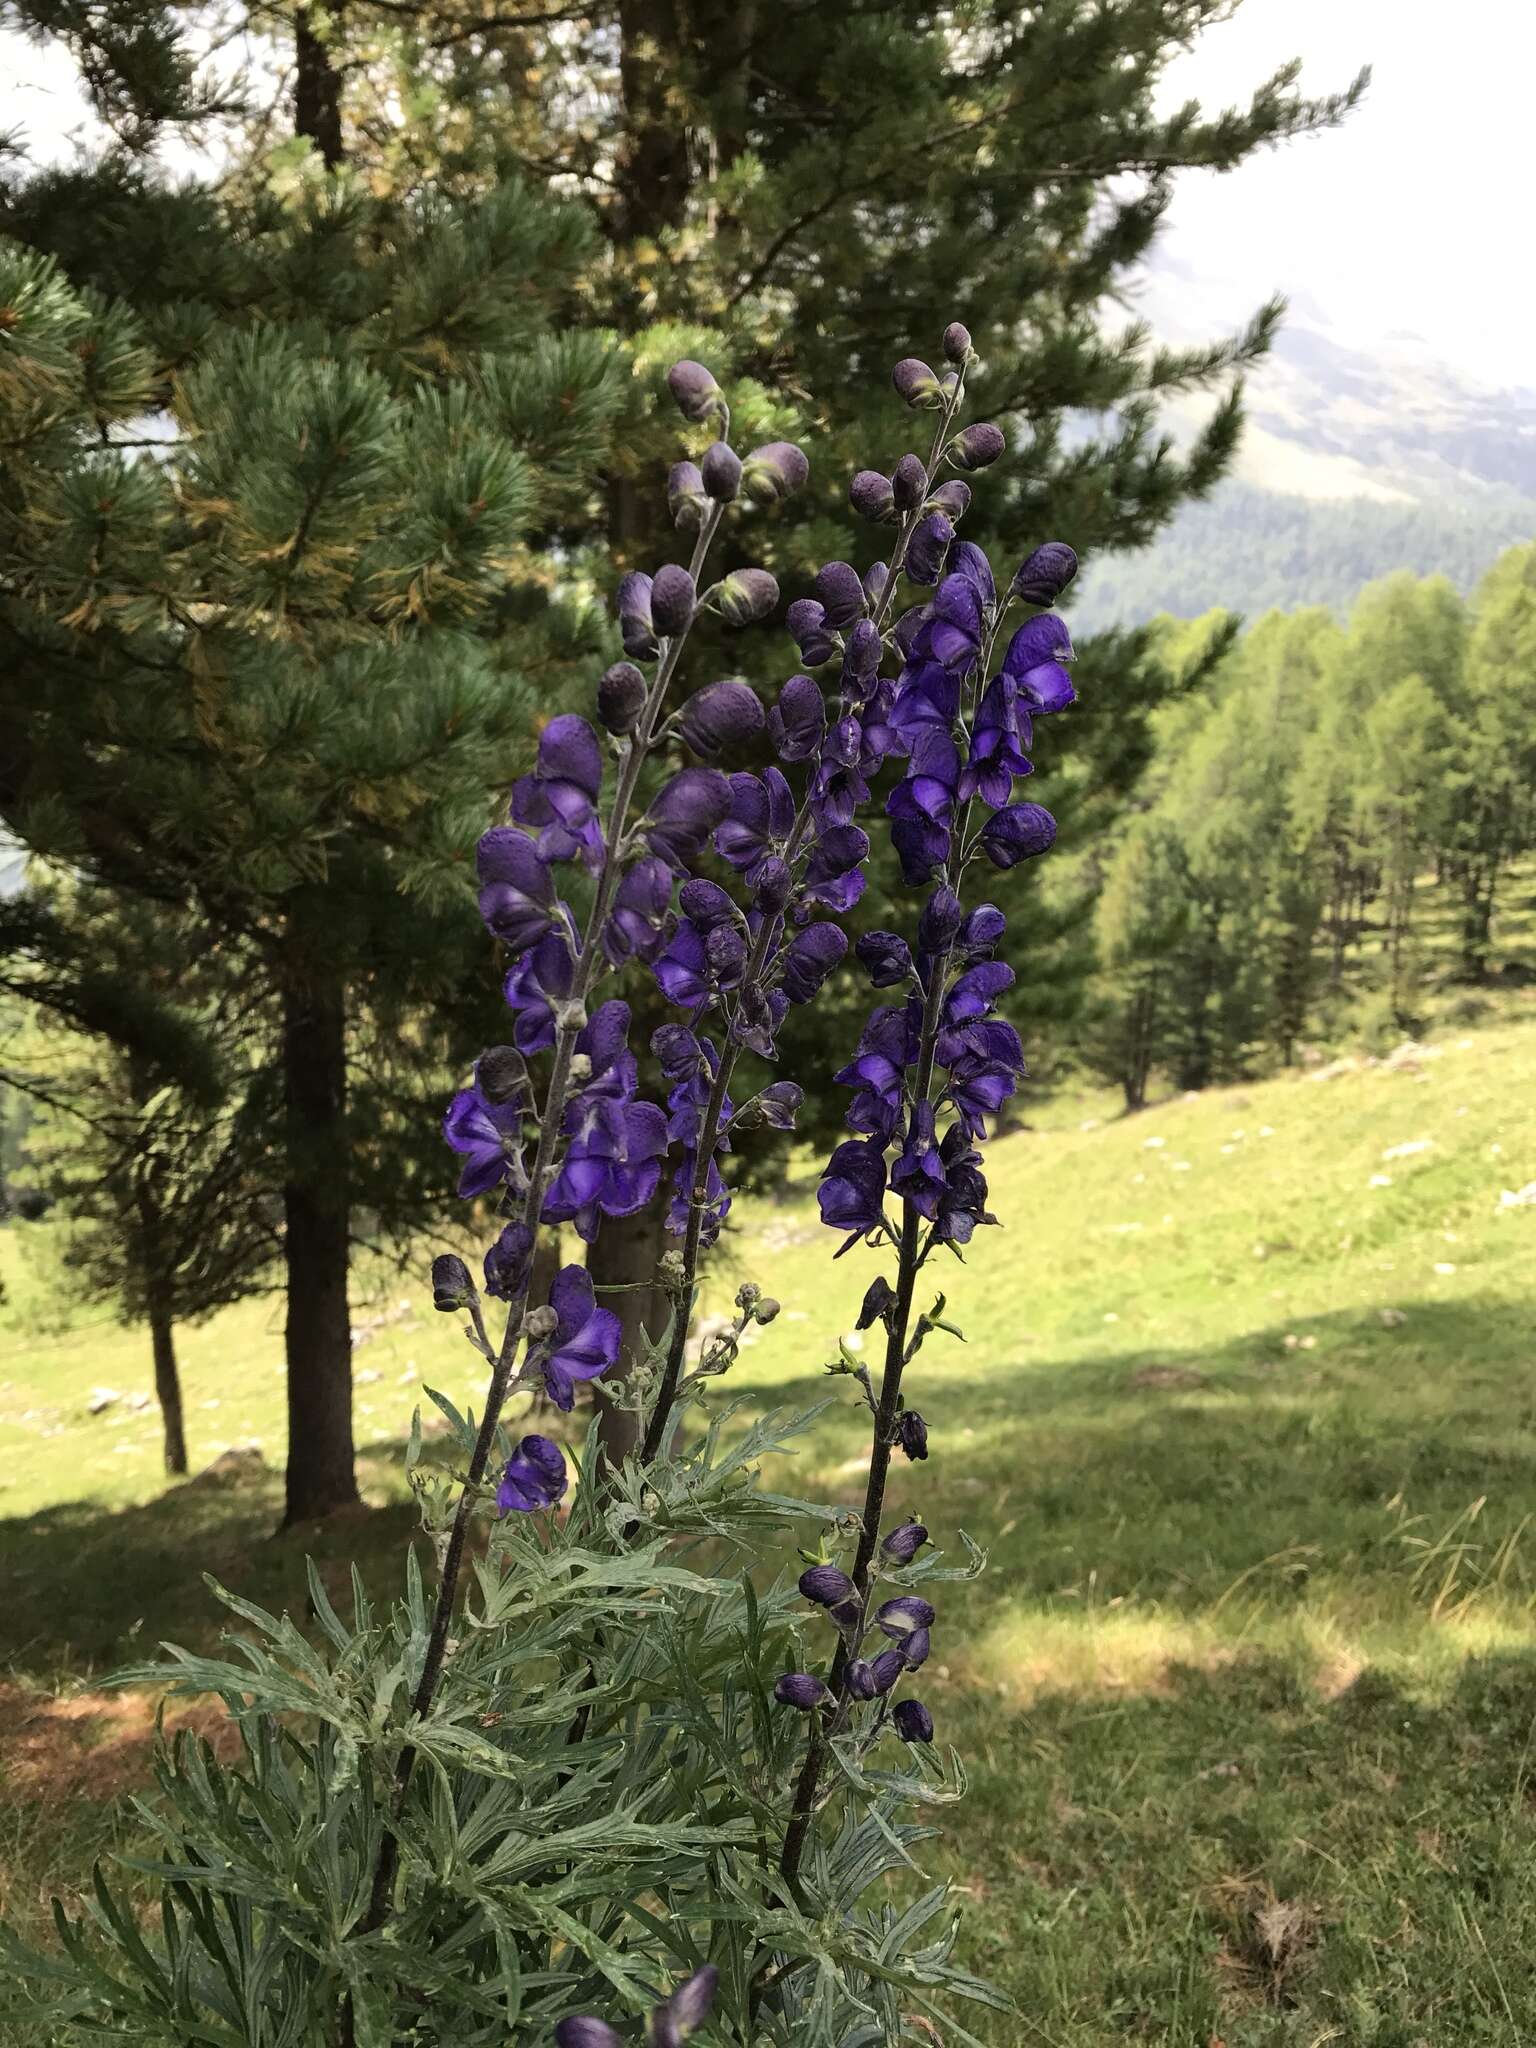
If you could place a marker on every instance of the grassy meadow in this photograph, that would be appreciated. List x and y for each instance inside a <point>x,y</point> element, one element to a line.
<point>1246,1417</point>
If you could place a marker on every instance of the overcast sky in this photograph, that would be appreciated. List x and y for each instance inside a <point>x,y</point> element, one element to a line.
<point>1413,219</point>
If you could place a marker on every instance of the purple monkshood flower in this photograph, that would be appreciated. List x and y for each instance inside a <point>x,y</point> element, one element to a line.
<point>758,825</point>
<point>913,1723</point>
<point>826,1585</point>
<point>998,739</point>
<point>982,932</point>
<point>1019,833</point>
<point>508,1262</point>
<point>722,718</point>
<point>927,548</point>
<point>800,1689</point>
<point>636,627</point>
<point>560,796</point>
<point>586,1339</point>
<point>452,1288</point>
<point>612,1163</point>
<point>810,957</point>
<point>852,1190</point>
<point>885,957</point>
<point>840,593</point>
<point>867,1681</point>
<point>807,623</point>
<point>517,897</point>
<point>838,786</point>
<point>684,814</point>
<point>887,1047</point>
<point>490,1135</point>
<point>899,1617</point>
<point>534,983</point>
<point>581,2030</point>
<point>636,924</point>
<point>918,1174</point>
<point>903,1544</point>
<point>912,1434</point>
<point>778,1104</point>
<point>926,699</point>
<point>688,2008</point>
<point>534,1477</point>
<point>963,1204</point>
<point>915,1649</point>
<point>799,718</point>
<point>1044,575</point>
<point>834,874</point>
<point>951,633</point>
<point>1034,663</point>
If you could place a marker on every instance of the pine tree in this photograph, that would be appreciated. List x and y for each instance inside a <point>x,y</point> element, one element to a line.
<point>275,671</point>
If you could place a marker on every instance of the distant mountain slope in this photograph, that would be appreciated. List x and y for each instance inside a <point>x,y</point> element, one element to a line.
<point>1250,549</point>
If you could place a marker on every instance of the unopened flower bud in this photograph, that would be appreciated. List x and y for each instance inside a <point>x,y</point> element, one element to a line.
<point>927,548</point>
<point>876,576</point>
<point>687,500</point>
<point>775,885</point>
<point>903,1544</point>
<point>826,1585</point>
<point>978,446</point>
<point>636,628</point>
<point>899,1617</point>
<point>912,1721</point>
<point>879,1300</point>
<point>800,1689</point>
<point>695,390</point>
<point>571,1015</point>
<point>873,497</point>
<point>952,498</point>
<point>840,593</point>
<point>909,483</point>
<point>721,471</point>
<point>722,718</point>
<point>915,1648</point>
<point>452,1287</point>
<point>885,957</point>
<point>1045,574</point>
<point>540,1323</point>
<point>807,623</point>
<point>621,694</point>
<point>957,342</point>
<point>773,472</point>
<point>916,383</point>
<point>766,1309</point>
<point>912,1434</point>
<point>581,2030</point>
<point>500,1073</point>
<point>747,1294</point>
<point>673,598</point>
<point>746,596</point>
<point>939,922</point>
<point>672,2023</point>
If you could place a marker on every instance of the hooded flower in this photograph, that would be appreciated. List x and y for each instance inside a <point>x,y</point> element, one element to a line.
<point>586,1339</point>
<point>852,1190</point>
<point>534,1477</point>
<point>517,897</point>
<point>684,813</point>
<point>722,718</point>
<point>636,924</point>
<point>912,1721</point>
<point>534,983</point>
<point>807,623</point>
<point>759,822</point>
<point>885,957</point>
<point>1044,575</point>
<point>912,1434</point>
<point>886,1049</point>
<point>1035,663</point>
<point>508,1262</point>
<point>800,1689</point>
<point>560,796</point>
<point>490,1136</point>
<point>1017,834</point>
<point>834,875</point>
<point>918,1175</point>
<point>998,739</point>
<point>672,2022</point>
<point>612,1163</point>
<point>810,957</point>
<point>798,720</point>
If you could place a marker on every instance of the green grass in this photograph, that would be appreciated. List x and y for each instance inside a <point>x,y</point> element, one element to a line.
<point>1248,1693</point>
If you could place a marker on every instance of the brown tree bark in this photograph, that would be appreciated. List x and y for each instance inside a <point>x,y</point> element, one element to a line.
<point>168,1391</point>
<point>317,1229</point>
<point>626,1255</point>
<point>316,89</point>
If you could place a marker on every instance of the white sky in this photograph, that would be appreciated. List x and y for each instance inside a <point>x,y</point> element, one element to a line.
<point>1415,218</point>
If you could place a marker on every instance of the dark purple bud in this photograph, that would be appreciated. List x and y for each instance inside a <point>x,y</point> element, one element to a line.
<point>879,1300</point>
<point>800,1689</point>
<point>807,623</point>
<point>957,342</point>
<point>746,596</point>
<point>774,472</point>
<point>516,894</point>
<point>452,1287</point>
<point>685,812</point>
<point>696,392</point>
<point>899,1617</point>
<point>686,2010</point>
<point>582,2031</point>
<point>810,957</point>
<point>982,931</point>
<point>534,1477</point>
<point>912,1434</point>
<point>635,625</point>
<point>909,483</point>
<point>826,1585</point>
<point>721,471</point>
<point>507,1263</point>
<point>860,1679</point>
<point>978,447</point>
<point>677,1051</point>
<point>885,957</point>
<point>916,383</point>
<point>501,1073</point>
<point>840,593</point>
<point>869,1681</point>
<point>903,1544</point>
<point>775,885</point>
<point>952,498</point>
<point>861,653</point>
<point>876,576</point>
<point>872,497</point>
<point>912,1721</point>
<point>797,722</point>
<point>909,625</point>
<point>1045,574</point>
<point>1017,834</point>
<point>927,548</point>
<point>780,1104</point>
<point>673,598</point>
<point>939,922</point>
<point>687,500</point>
<point>621,695</point>
<point>722,718</point>
<point>915,1648</point>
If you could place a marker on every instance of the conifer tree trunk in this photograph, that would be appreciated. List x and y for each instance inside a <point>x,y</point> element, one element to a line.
<point>168,1390</point>
<point>627,1253</point>
<point>316,1233</point>
<point>316,89</point>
